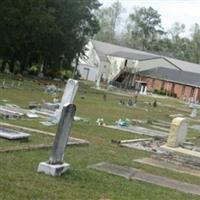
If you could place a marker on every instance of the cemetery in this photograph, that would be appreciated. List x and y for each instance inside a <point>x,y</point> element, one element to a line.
<point>99,100</point>
<point>114,150</point>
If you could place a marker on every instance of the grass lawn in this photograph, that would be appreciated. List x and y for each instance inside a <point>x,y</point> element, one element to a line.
<point>19,179</point>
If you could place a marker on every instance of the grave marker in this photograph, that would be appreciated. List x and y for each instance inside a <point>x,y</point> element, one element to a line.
<point>178,132</point>
<point>68,98</point>
<point>55,166</point>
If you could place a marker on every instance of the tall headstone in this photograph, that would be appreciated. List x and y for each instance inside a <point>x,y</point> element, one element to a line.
<point>55,166</point>
<point>178,132</point>
<point>67,98</point>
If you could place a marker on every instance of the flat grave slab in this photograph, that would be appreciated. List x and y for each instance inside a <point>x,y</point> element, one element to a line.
<point>189,155</point>
<point>167,165</point>
<point>195,127</point>
<point>160,128</point>
<point>71,142</point>
<point>12,134</point>
<point>145,145</point>
<point>140,130</point>
<point>135,174</point>
<point>76,141</point>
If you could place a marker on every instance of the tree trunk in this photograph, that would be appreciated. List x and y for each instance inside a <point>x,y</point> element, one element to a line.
<point>11,66</point>
<point>3,66</point>
<point>24,64</point>
<point>75,67</point>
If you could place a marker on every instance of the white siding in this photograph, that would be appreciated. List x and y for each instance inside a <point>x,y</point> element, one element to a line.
<point>87,72</point>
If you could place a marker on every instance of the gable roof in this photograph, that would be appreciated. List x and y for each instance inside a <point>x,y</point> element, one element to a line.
<point>106,49</point>
<point>183,77</point>
<point>133,55</point>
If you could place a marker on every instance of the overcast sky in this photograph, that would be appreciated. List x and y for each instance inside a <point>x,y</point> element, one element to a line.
<point>183,11</point>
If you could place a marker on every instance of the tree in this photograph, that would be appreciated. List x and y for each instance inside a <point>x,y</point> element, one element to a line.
<point>145,26</point>
<point>109,20</point>
<point>176,30</point>
<point>196,43</point>
<point>45,32</point>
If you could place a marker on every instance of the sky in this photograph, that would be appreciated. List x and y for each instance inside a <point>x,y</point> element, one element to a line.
<point>183,11</point>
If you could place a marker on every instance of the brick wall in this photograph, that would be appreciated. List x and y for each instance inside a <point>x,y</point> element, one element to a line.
<point>181,91</point>
<point>187,92</point>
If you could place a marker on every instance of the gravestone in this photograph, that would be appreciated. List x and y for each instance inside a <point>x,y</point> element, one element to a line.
<point>194,112</point>
<point>178,132</point>
<point>130,102</point>
<point>12,134</point>
<point>55,166</point>
<point>68,98</point>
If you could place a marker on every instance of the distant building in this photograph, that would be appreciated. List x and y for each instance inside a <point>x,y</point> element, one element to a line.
<point>123,67</point>
<point>181,84</point>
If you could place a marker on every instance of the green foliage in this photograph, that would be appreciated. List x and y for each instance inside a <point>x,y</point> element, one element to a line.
<point>143,30</point>
<point>47,32</point>
<point>19,179</point>
<point>145,24</point>
<point>109,20</point>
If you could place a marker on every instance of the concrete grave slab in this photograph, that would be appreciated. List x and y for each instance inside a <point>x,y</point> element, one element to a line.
<point>140,130</point>
<point>71,141</point>
<point>189,155</point>
<point>31,115</point>
<point>47,123</point>
<point>176,115</point>
<point>160,128</point>
<point>50,106</point>
<point>145,145</point>
<point>135,174</point>
<point>118,170</point>
<point>168,165</point>
<point>195,127</point>
<point>12,134</point>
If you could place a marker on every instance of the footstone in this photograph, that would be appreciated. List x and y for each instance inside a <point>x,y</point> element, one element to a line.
<point>53,170</point>
<point>135,174</point>
<point>166,164</point>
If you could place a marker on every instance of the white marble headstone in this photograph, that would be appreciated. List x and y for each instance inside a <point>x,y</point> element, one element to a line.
<point>67,98</point>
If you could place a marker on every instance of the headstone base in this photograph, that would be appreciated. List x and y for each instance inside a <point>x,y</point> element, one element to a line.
<point>53,170</point>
